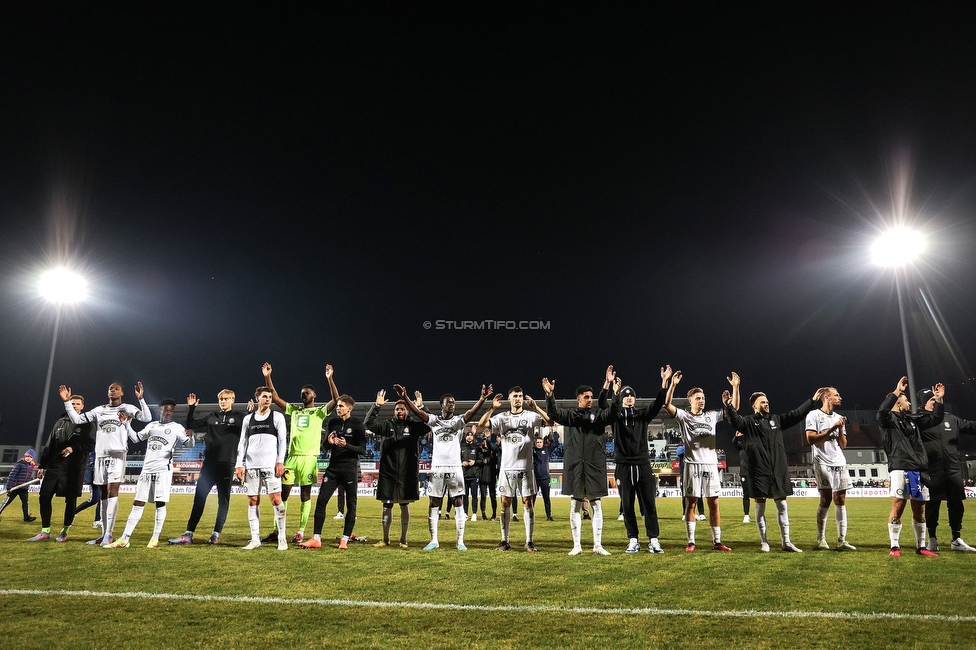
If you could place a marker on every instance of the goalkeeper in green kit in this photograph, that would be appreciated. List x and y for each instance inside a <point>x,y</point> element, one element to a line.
<point>301,463</point>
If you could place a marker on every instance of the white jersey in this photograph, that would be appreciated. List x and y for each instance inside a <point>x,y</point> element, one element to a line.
<point>163,439</point>
<point>111,436</point>
<point>698,435</point>
<point>264,441</point>
<point>826,452</point>
<point>516,431</point>
<point>447,434</point>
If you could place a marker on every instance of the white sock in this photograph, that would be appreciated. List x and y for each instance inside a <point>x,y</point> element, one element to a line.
<point>783,518</point>
<point>716,534</point>
<point>506,521</point>
<point>112,508</point>
<point>254,523</point>
<point>821,522</point>
<point>130,524</point>
<point>387,522</point>
<point>690,529</point>
<point>404,521</point>
<point>918,527</point>
<point>104,506</point>
<point>459,519</point>
<point>597,507</point>
<point>761,521</point>
<point>160,520</point>
<point>840,514</point>
<point>281,513</point>
<point>433,516</point>
<point>894,533</point>
<point>575,520</point>
<point>529,522</point>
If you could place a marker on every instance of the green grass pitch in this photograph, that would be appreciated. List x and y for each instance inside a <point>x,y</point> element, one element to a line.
<point>400,598</point>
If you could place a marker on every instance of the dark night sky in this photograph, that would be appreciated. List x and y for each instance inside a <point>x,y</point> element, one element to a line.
<point>694,188</point>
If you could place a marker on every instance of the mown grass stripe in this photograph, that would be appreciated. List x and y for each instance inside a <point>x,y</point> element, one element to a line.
<point>605,611</point>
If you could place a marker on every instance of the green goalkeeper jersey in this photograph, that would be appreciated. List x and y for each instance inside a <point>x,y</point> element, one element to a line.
<point>306,429</point>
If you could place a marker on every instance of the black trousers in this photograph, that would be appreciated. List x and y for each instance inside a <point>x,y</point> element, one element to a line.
<point>956,509</point>
<point>221,475</point>
<point>471,490</point>
<point>333,479</point>
<point>544,489</point>
<point>638,481</point>
<point>488,487</point>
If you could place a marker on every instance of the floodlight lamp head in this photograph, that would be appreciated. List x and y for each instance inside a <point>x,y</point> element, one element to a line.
<point>897,247</point>
<point>62,285</point>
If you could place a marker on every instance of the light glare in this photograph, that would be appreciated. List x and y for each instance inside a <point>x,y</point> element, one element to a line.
<point>62,285</point>
<point>897,247</point>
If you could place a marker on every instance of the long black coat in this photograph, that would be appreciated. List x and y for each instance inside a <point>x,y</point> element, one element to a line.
<point>64,476</point>
<point>584,449</point>
<point>945,462</point>
<point>769,471</point>
<point>400,442</point>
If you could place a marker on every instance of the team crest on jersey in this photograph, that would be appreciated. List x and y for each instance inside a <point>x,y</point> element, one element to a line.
<point>406,431</point>
<point>230,421</point>
<point>349,430</point>
<point>592,417</point>
<point>515,438</point>
<point>447,437</point>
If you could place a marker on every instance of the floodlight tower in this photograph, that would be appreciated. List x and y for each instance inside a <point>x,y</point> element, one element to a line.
<point>59,286</point>
<point>896,249</point>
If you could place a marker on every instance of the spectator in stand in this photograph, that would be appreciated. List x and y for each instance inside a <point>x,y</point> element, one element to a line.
<point>20,474</point>
<point>541,453</point>
<point>472,460</point>
<point>489,477</point>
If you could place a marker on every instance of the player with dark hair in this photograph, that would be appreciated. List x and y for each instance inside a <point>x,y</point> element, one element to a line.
<point>347,441</point>
<point>156,479</point>
<point>446,475</point>
<point>111,444</point>
<point>62,467</point>
<point>261,461</point>
<point>400,439</point>
<point>769,477</point>
<point>584,458</point>
<point>515,427</point>
<point>901,434</point>
<point>301,463</point>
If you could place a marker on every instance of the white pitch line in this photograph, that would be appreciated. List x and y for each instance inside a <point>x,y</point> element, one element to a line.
<point>604,611</point>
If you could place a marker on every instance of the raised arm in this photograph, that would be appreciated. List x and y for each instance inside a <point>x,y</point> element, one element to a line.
<point>929,420</point>
<point>401,393</point>
<point>191,402</point>
<point>734,380</point>
<point>799,414</point>
<point>531,403</point>
<point>144,413</point>
<point>556,414</point>
<point>485,394</point>
<point>732,416</point>
<point>370,420</point>
<point>332,388</point>
<point>266,371</point>
<point>279,423</point>
<point>76,418</point>
<point>604,401</point>
<point>496,403</point>
<point>668,406</point>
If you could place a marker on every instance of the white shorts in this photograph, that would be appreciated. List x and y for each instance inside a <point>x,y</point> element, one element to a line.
<point>154,486</point>
<point>701,480</point>
<point>109,469</point>
<point>445,481</point>
<point>512,480</point>
<point>254,478</point>
<point>832,476</point>
<point>906,485</point>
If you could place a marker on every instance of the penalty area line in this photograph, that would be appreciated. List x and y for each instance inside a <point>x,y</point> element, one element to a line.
<point>542,609</point>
